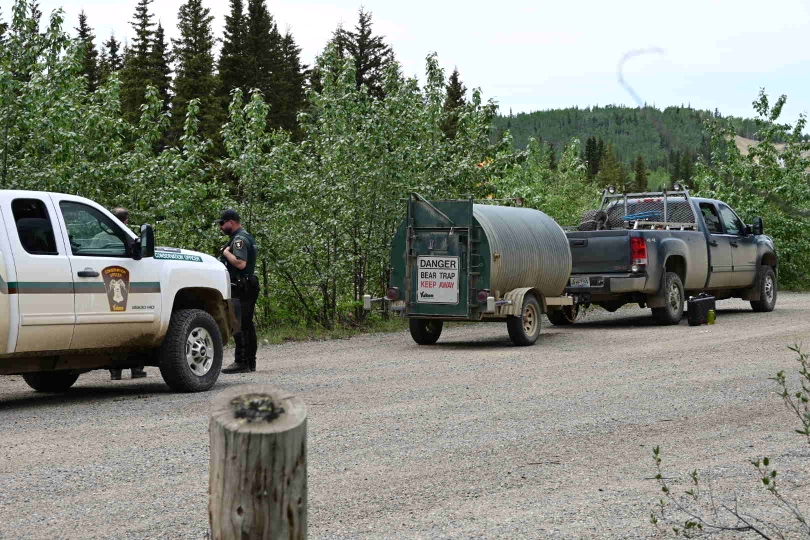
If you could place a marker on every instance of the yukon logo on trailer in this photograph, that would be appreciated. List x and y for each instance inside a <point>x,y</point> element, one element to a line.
<point>116,282</point>
<point>437,280</point>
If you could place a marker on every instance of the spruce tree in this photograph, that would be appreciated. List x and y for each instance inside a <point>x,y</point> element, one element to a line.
<point>137,71</point>
<point>160,71</point>
<point>232,65</point>
<point>90,68</point>
<point>262,51</point>
<point>289,84</point>
<point>454,99</point>
<point>111,59</point>
<point>3,28</point>
<point>687,168</point>
<point>640,175</point>
<point>591,157</point>
<point>552,157</point>
<point>194,57</point>
<point>611,172</point>
<point>372,56</point>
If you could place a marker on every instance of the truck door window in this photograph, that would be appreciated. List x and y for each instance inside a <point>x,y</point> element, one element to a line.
<point>711,218</point>
<point>34,226</point>
<point>730,220</point>
<point>91,232</point>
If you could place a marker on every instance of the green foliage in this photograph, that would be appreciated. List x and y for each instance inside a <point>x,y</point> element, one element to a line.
<point>111,60</point>
<point>698,511</point>
<point>137,73</point>
<point>564,193</point>
<point>770,181</point>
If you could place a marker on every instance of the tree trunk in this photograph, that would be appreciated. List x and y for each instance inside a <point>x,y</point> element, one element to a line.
<point>258,470</point>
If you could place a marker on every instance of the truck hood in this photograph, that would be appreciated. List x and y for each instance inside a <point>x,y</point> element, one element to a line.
<point>177,254</point>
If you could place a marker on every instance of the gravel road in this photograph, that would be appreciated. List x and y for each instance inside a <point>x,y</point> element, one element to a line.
<point>470,438</point>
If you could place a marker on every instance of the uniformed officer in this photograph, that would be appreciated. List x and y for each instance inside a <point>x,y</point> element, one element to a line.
<point>239,257</point>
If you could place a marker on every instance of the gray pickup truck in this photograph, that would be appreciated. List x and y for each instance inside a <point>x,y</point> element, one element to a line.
<point>655,249</point>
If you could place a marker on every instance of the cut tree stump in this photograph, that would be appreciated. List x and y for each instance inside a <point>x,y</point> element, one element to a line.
<point>258,471</point>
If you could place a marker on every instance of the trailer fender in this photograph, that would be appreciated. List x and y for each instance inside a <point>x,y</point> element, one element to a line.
<point>516,296</point>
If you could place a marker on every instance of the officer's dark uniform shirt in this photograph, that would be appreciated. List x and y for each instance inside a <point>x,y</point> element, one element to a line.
<point>243,246</point>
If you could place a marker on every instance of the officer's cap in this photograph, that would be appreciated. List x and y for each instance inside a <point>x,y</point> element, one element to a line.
<point>229,214</point>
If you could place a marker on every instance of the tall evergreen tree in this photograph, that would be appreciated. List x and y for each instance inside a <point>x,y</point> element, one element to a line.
<point>86,37</point>
<point>372,56</point>
<point>137,71</point>
<point>111,59</point>
<point>3,28</point>
<point>687,169</point>
<point>194,57</point>
<point>160,69</point>
<point>611,172</point>
<point>640,175</point>
<point>289,84</point>
<point>591,157</point>
<point>453,100</point>
<point>232,65</point>
<point>262,51</point>
<point>552,156</point>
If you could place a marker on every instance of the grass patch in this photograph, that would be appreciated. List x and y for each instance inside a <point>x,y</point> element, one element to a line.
<point>282,334</point>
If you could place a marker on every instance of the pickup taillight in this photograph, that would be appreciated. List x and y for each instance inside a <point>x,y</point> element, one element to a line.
<point>638,250</point>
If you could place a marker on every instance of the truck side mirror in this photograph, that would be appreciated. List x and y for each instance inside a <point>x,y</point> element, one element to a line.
<point>756,228</point>
<point>146,243</point>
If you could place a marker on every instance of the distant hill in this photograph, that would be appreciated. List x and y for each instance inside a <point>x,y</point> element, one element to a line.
<point>659,136</point>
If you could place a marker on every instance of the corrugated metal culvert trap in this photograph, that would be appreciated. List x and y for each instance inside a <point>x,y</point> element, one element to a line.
<point>528,248</point>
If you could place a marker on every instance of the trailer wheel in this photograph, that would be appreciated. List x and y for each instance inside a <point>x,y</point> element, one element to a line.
<point>425,331</point>
<point>564,316</point>
<point>672,311</point>
<point>50,381</point>
<point>767,291</point>
<point>524,329</point>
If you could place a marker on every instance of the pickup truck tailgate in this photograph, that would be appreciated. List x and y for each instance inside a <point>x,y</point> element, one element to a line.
<point>598,252</point>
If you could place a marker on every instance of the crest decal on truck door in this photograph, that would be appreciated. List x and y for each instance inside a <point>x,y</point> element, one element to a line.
<point>116,282</point>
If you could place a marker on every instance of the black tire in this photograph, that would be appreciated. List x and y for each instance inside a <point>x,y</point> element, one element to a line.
<point>525,328</point>
<point>185,358</point>
<point>592,220</point>
<point>564,316</point>
<point>672,312</point>
<point>425,331</point>
<point>767,291</point>
<point>50,381</point>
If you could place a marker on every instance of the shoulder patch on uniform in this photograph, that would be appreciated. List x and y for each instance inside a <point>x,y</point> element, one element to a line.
<point>239,244</point>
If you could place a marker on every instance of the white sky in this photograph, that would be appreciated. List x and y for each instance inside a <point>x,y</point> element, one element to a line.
<point>542,55</point>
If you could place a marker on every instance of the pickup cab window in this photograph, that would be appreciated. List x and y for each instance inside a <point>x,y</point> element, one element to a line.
<point>91,232</point>
<point>711,218</point>
<point>731,221</point>
<point>34,226</point>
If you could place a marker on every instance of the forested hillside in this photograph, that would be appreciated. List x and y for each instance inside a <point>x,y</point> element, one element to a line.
<point>659,137</point>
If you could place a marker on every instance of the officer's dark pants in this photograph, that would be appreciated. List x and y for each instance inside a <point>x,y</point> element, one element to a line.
<point>246,345</point>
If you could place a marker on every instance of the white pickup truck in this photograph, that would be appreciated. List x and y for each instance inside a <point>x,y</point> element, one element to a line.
<point>80,291</point>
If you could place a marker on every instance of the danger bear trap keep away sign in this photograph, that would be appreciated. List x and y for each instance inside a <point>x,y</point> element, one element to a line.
<point>437,280</point>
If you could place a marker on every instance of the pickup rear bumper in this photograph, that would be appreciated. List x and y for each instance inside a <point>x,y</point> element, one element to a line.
<point>611,284</point>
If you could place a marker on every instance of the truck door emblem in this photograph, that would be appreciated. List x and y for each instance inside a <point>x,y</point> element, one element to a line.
<point>116,283</point>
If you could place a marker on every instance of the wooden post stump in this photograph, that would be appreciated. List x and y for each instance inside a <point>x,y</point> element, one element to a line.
<point>258,472</point>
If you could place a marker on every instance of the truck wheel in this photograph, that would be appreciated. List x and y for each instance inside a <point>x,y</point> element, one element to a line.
<point>191,354</point>
<point>672,311</point>
<point>425,331</point>
<point>50,381</point>
<point>564,316</point>
<point>524,329</point>
<point>767,291</point>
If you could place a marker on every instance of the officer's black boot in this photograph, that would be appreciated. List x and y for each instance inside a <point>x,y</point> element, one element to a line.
<point>239,365</point>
